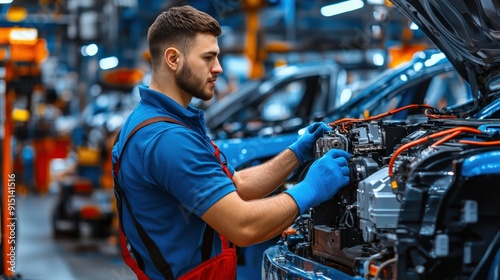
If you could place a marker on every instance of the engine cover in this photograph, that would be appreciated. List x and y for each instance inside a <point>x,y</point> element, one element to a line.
<point>378,207</point>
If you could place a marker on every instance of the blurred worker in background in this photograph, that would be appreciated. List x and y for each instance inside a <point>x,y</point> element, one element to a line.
<point>173,188</point>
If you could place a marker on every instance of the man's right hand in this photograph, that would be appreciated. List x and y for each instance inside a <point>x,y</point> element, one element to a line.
<point>325,177</point>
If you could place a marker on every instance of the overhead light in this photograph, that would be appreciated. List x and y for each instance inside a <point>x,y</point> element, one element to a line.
<point>342,7</point>
<point>92,49</point>
<point>378,59</point>
<point>345,95</point>
<point>6,1</point>
<point>108,62</point>
<point>89,50</point>
<point>21,35</point>
<point>413,26</point>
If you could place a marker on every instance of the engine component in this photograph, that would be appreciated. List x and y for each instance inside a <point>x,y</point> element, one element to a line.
<point>378,208</point>
<point>438,222</point>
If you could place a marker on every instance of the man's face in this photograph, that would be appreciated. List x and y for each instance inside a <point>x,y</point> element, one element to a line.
<point>199,70</point>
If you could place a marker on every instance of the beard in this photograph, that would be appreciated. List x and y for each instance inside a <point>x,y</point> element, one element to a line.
<point>188,82</point>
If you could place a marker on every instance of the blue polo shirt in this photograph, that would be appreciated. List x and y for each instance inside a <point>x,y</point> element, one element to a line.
<point>170,177</point>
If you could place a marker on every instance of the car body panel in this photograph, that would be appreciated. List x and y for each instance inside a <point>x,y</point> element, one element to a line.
<point>492,110</point>
<point>251,151</point>
<point>280,263</point>
<point>467,31</point>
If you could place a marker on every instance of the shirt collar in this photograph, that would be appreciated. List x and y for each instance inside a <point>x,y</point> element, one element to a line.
<point>163,102</point>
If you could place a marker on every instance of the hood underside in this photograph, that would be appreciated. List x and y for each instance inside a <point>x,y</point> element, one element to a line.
<point>467,31</point>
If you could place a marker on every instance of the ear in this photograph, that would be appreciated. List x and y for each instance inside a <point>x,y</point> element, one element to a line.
<point>172,58</point>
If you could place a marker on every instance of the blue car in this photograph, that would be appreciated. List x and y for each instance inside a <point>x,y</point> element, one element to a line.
<point>423,83</point>
<point>423,198</point>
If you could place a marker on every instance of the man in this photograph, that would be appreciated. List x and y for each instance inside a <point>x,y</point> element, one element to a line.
<point>170,181</point>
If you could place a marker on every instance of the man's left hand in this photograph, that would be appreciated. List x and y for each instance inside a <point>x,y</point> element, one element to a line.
<point>303,147</point>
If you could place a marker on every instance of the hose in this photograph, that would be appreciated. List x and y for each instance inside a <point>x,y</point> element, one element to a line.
<point>382,267</point>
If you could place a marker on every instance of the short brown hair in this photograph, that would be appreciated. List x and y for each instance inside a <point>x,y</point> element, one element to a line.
<point>177,27</point>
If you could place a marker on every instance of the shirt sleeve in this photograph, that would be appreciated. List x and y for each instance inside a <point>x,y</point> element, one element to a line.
<point>182,163</point>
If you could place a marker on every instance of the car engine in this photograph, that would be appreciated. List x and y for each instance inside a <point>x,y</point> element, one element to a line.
<point>422,203</point>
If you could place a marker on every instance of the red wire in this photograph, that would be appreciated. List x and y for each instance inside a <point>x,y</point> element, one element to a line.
<point>488,143</point>
<point>446,138</point>
<point>433,116</point>
<point>406,146</point>
<point>391,112</point>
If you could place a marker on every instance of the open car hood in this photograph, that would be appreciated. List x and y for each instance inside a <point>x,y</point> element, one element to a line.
<point>467,31</point>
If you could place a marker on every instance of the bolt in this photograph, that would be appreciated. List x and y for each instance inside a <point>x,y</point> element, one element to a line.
<point>280,259</point>
<point>420,269</point>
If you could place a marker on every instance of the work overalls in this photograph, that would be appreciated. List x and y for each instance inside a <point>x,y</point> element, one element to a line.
<point>222,266</point>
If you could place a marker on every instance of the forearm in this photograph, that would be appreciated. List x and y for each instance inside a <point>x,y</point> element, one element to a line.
<point>250,222</point>
<point>259,181</point>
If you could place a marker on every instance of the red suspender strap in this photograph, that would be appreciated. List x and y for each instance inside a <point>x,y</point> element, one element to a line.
<point>153,250</point>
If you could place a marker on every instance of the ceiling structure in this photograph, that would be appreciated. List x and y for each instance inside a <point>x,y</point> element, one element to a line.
<point>119,27</point>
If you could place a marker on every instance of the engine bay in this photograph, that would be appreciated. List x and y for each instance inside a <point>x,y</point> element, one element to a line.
<point>422,203</point>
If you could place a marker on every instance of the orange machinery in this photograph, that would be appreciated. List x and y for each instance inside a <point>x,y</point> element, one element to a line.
<point>21,52</point>
<point>256,48</point>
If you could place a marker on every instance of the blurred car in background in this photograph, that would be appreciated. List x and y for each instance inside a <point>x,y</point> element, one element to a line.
<point>428,78</point>
<point>99,122</point>
<point>84,206</point>
<point>283,100</point>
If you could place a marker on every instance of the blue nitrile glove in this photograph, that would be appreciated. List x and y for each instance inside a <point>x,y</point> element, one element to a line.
<point>325,177</point>
<point>303,147</point>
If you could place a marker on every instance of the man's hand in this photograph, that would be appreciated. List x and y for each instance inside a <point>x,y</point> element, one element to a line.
<point>325,177</point>
<point>303,147</point>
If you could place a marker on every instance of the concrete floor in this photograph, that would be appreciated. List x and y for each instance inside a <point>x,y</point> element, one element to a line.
<point>41,257</point>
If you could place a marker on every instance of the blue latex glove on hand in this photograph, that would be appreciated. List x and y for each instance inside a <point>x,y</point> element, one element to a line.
<point>325,177</point>
<point>303,147</point>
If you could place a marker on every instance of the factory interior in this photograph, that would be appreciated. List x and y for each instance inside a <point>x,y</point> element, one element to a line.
<point>70,72</point>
